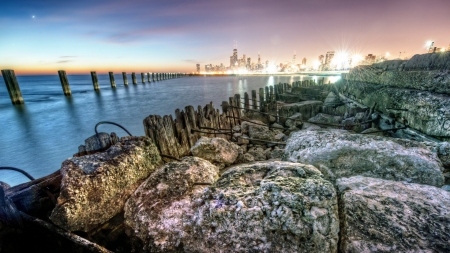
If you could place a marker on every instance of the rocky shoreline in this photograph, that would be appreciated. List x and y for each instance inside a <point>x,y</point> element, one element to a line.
<point>359,166</point>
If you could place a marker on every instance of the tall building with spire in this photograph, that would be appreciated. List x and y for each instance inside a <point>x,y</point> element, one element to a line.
<point>234,63</point>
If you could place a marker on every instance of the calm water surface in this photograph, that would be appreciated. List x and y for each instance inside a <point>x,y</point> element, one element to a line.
<point>39,135</point>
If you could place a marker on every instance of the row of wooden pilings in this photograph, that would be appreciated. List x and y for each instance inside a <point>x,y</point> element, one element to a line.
<point>16,95</point>
<point>175,136</point>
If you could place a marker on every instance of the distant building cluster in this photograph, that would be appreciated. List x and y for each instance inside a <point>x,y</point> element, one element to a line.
<point>332,61</point>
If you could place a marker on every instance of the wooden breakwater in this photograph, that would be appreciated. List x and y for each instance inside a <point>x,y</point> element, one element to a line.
<point>16,95</point>
<point>174,136</point>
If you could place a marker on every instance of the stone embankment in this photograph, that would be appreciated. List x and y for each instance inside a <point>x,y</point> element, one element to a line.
<point>325,168</point>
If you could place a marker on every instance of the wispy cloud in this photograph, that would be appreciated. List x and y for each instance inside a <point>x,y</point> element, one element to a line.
<point>68,56</point>
<point>66,61</point>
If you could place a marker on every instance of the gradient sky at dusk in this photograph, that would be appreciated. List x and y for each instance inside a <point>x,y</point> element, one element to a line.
<point>145,35</point>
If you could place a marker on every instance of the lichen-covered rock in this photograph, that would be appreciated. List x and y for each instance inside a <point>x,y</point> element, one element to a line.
<point>216,150</point>
<point>95,187</point>
<point>160,212</point>
<point>262,132</point>
<point>337,153</point>
<point>326,119</point>
<point>379,215</point>
<point>258,153</point>
<point>295,120</point>
<point>260,207</point>
<point>307,108</point>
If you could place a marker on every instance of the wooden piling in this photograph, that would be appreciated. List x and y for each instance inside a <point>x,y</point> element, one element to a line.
<point>125,79</point>
<point>246,101</point>
<point>111,79</point>
<point>149,77</point>
<point>266,94</point>
<point>64,82</point>
<point>255,106</point>
<point>13,86</point>
<point>95,80</point>
<point>143,77</point>
<point>133,78</point>
<point>261,99</point>
<point>272,98</point>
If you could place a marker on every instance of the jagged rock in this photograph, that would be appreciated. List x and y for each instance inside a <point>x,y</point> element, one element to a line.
<point>95,187</point>
<point>326,119</point>
<point>160,214</point>
<point>279,137</point>
<point>294,121</point>
<point>373,131</point>
<point>277,153</point>
<point>237,129</point>
<point>337,153</point>
<point>332,100</point>
<point>260,207</point>
<point>245,158</point>
<point>245,125</point>
<point>310,126</point>
<point>379,215</point>
<point>307,108</point>
<point>258,153</point>
<point>216,150</point>
<point>446,188</point>
<point>277,126</point>
<point>262,133</point>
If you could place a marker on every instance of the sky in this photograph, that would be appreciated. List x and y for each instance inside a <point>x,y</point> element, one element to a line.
<point>42,37</point>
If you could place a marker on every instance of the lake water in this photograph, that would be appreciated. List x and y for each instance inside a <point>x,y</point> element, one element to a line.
<point>39,135</point>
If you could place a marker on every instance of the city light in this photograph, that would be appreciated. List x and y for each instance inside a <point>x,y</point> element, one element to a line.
<point>356,59</point>
<point>442,49</point>
<point>316,64</point>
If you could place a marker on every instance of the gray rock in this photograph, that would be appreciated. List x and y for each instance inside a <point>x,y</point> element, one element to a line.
<point>279,137</point>
<point>262,133</point>
<point>326,119</point>
<point>337,153</point>
<point>310,126</point>
<point>260,207</point>
<point>277,153</point>
<point>98,142</point>
<point>446,188</point>
<point>245,125</point>
<point>294,121</point>
<point>258,153</point>
<point>379,215</point>
<point>277,126</point>
<point>95,187</point>
<point>245,158</point>
<point>307,108</point>
<point>161,212</point>
<point>332,100</point>
<point>216,150</point>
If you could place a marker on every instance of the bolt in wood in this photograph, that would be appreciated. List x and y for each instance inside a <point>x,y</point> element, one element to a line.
<point>64,82</point>
<point>13,86</point>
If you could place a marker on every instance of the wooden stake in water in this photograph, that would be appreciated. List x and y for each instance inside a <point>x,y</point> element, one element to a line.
<point>246,101</point>
<point>133,77</point>
<point>95,80</point>
<point>64,82</point>
<point>111,79</point>
<point>148,77</point>
<point>143,77</point>
<point>261,99</point>
<point>255,106</point>
<point>125,79</point>
<point>13,86</point>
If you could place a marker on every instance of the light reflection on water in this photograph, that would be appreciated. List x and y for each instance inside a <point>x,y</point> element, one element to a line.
<point>39,135</point>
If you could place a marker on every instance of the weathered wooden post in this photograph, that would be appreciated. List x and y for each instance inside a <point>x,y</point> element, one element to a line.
<point>13,86</point>
<point>125,79</point>
<point>111,79</point>
<point>64,82</point>
<point>266,93</point>
<point>95,80</point>
<point>149,77</point>
<point>246,102</point>
<point>143,77</point>
<point>261,99</point>
<point>133,78</point>
<point>271,93</point>
<point>255,106</point>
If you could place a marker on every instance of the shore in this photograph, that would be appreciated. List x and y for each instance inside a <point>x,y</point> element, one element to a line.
<point>304,166</point>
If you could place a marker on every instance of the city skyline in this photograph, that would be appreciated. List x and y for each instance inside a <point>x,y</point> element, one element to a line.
<point>41,37</point>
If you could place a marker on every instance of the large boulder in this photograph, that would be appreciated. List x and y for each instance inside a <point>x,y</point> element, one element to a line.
<point>161,211</point>
<point>338,153</point>
<point>216,150</point>
<point>259,207</point>
<point>307,108</point>
<point>95,187</point>
<point>379,215</point>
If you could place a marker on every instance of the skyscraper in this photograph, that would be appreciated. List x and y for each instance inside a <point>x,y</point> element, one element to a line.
<point>304,61</point>
<point>329,57</point>
<point>198,67</point>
